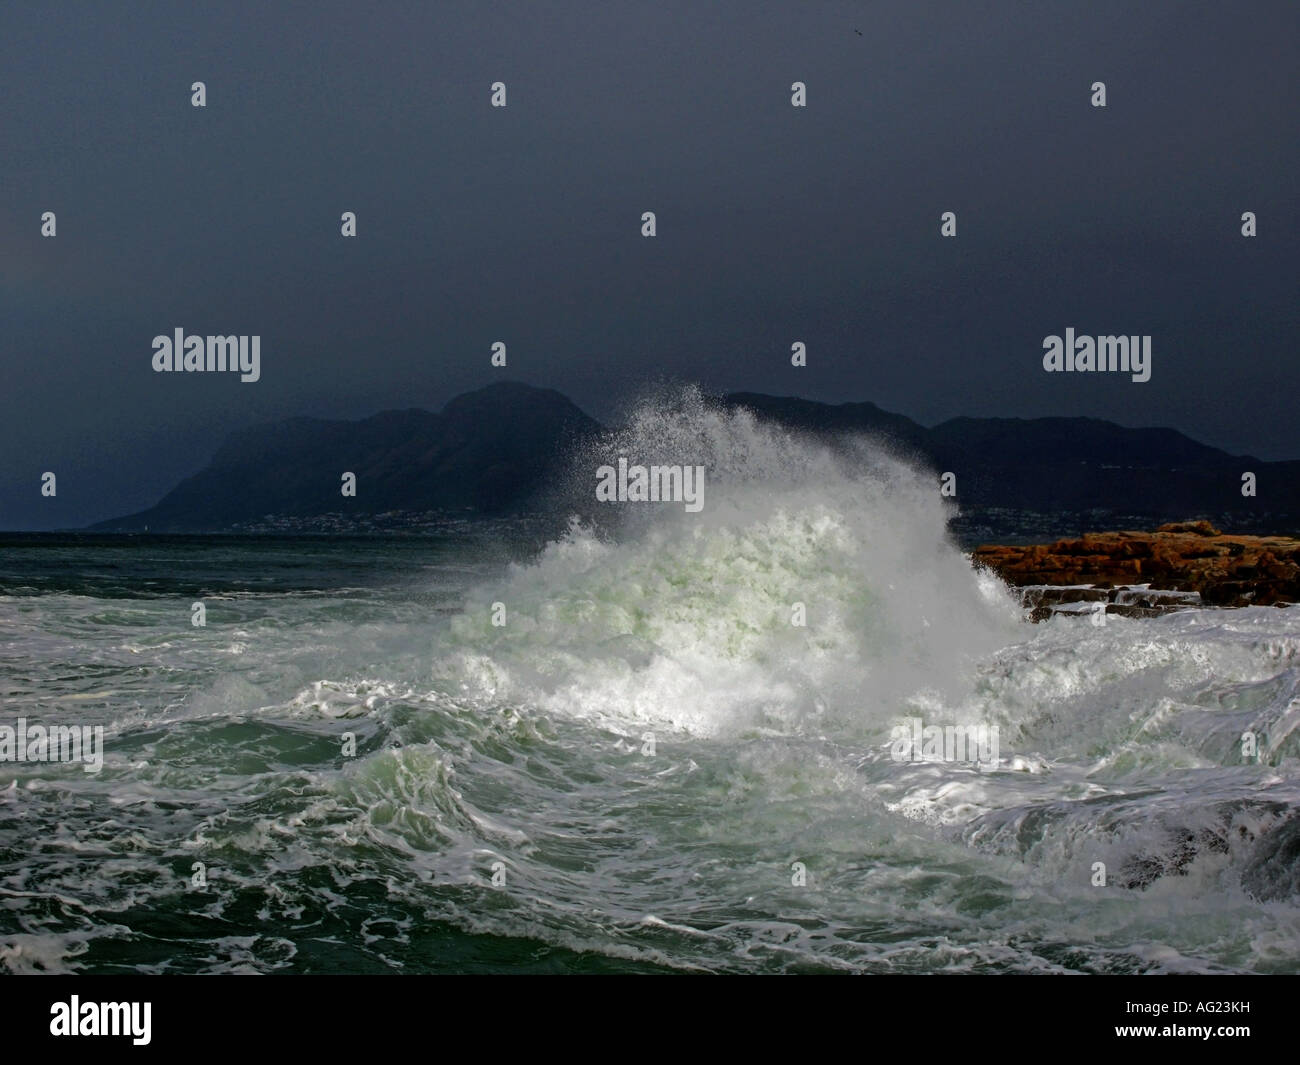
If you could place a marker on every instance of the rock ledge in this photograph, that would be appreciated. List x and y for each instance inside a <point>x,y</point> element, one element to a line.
<point>1140,573</point>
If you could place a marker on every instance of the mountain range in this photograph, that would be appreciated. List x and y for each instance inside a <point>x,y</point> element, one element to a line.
<point>497,450</point>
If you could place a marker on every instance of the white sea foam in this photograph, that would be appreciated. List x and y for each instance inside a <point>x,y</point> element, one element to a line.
<point>688,620</point>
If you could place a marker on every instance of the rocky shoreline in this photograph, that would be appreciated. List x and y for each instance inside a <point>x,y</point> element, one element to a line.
<point>1141,574</point>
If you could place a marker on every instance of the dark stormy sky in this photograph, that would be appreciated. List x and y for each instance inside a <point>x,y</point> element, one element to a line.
<point>776,224</point>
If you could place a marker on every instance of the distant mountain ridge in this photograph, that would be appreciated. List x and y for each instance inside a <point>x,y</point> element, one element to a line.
<point>496,450</point>
<point>487,452</point>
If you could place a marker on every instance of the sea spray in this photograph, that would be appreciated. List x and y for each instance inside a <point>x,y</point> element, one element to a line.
<point>817,589</point>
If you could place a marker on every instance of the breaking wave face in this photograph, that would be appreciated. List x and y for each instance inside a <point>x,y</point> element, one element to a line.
<point>815,590</point>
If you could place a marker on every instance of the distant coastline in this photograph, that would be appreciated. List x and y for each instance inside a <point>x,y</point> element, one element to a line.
<point>507,449</point>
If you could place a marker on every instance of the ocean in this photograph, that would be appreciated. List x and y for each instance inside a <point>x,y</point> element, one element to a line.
<point>675,742</point>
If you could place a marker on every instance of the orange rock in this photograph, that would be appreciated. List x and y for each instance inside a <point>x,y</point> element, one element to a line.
<point>1226,570</point>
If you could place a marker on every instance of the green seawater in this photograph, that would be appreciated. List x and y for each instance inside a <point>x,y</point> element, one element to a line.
<point>645,768</point>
